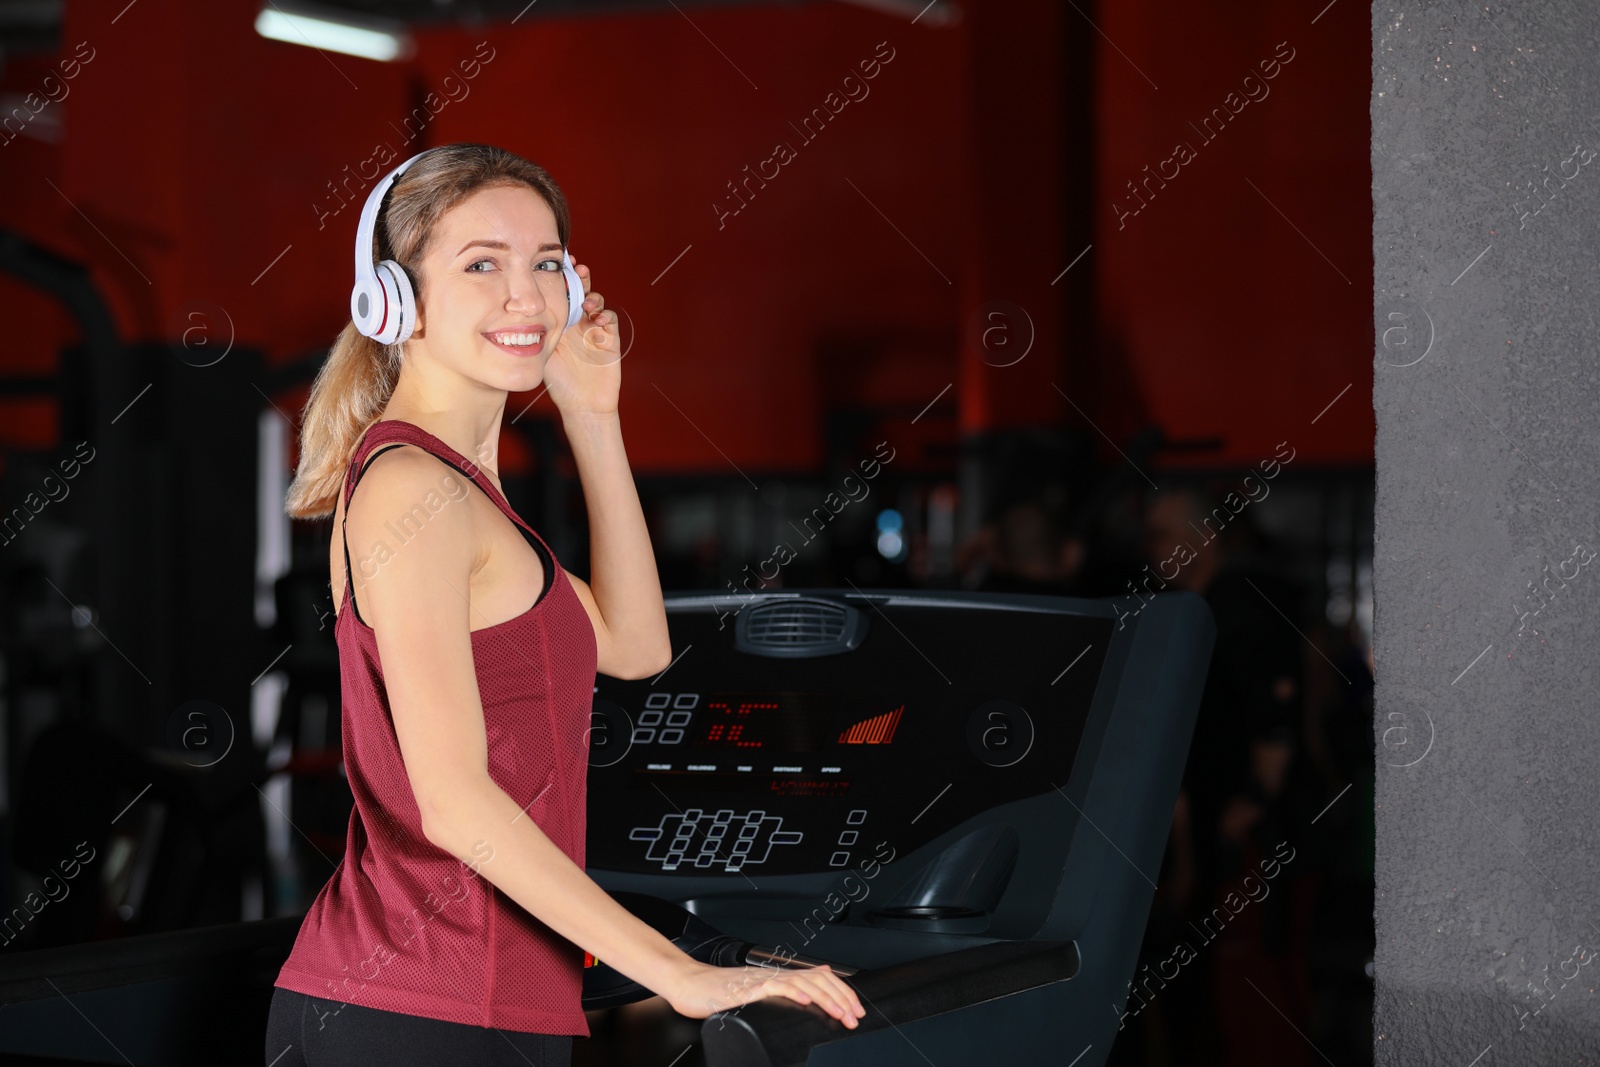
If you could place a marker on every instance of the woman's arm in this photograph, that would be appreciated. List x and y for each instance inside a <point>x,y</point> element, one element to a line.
<point>624,601</point>
<point>623,597</point>
<point>480,821</point>
<point>528,867</point>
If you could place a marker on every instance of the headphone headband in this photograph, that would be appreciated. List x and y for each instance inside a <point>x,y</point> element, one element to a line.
<point>369,216</point>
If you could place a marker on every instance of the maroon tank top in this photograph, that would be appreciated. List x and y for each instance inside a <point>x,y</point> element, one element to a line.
<point>403,925</point>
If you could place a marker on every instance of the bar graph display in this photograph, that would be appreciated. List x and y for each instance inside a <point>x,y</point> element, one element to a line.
<point>878,730</point>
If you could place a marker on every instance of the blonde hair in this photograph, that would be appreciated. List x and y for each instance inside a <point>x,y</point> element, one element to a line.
<point>358,378</point>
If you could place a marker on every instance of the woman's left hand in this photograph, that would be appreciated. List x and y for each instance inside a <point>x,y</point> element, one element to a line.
<point>584,372</point>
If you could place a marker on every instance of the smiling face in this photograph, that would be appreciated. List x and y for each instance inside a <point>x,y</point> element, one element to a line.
<point>491,283</point>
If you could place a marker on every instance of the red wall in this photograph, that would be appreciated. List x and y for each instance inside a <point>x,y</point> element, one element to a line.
<point>1218,291</point>
<point>196,152</point>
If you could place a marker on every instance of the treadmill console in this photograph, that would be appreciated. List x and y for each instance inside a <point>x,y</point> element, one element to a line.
<point>794,735</point>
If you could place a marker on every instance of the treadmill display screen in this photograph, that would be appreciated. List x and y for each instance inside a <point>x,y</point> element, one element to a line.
<point>771,721</point>
<point>787,722</point>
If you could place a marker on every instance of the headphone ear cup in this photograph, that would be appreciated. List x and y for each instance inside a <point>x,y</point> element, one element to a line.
<point>366,304</point>
<point>393,312</point>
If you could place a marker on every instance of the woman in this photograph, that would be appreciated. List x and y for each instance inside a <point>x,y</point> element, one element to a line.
<point>456,923</point>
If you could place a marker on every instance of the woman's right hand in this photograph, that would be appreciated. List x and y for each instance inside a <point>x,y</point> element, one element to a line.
<point>704,989</point>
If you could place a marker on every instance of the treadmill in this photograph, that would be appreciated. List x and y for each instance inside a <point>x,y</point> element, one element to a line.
<point>960,801</point>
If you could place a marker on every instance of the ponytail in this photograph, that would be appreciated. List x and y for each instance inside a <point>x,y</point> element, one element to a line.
<point>349,394</point>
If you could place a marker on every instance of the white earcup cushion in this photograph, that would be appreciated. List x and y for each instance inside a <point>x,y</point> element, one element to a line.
<point>405,301</point>
<point>574,291</point>
<point>391,316</point>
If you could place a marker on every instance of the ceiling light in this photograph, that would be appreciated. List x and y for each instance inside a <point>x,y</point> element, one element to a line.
<point>368,38</point>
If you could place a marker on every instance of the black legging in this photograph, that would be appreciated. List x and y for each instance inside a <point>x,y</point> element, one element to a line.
<point>305,1031</point>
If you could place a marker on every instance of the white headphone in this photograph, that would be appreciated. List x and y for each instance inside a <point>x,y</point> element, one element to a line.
<point>382,305</point>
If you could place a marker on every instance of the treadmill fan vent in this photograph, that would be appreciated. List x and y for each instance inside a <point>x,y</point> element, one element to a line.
<point>798,627</point>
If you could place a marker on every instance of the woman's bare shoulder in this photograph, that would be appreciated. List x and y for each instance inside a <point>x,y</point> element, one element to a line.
<point>403,489</point>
